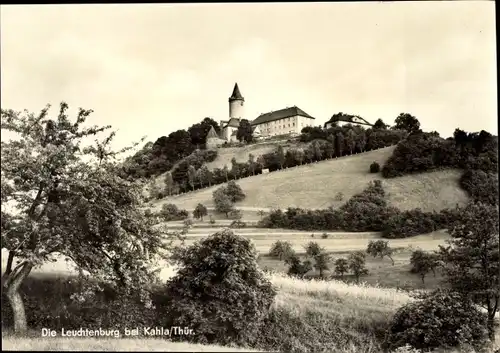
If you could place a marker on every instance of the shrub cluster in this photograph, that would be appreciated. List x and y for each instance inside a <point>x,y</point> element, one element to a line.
<point>374,167</point>
<point>480,185</point>
<point>441,319</point>
<point>170,212</point>
<point>218,291</point>
<point>364,212</point>
<point>225,197</point>
<point>427,151</point>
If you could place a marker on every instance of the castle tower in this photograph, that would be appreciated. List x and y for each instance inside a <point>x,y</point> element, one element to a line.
<point>236,104</point>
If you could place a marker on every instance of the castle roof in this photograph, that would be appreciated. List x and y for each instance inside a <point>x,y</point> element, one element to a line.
<point>212,133</point>
<point>353,119</point>
<point>280,114</point>
<point>236,94</point>
<point>233,122</point>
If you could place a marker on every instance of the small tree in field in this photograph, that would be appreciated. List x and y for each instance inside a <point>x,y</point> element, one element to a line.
<point>281,250</point>
<point>322,262</point>
<point>380,248</point>
<point>261,213</point>
<point>223,203</point>
<point>357,263</point>
<point>422,263</point>
<point>341,267</point>
<point>200,211</point>
<point>313,249</point>
<point>219,290</point>
<point>60,197</point>
<point>297,267</point>
<point>472,261</point>
<point>234,192</point>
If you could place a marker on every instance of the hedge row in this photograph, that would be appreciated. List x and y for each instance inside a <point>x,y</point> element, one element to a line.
<point>427,151</point>
<point>364,212</point>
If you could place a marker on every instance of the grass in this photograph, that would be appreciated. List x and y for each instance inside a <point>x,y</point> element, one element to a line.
<point>381,271</point>
<point>107,344</point>
<point>316,185</point>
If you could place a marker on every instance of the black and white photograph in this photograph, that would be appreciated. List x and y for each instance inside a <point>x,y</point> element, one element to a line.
<point>293,177</point>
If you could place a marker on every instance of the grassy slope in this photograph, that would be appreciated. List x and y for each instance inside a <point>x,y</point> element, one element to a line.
<point>315,186</point>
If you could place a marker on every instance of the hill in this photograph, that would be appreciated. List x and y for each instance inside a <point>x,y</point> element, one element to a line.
<point>225,155</point>
<point>316,186</point>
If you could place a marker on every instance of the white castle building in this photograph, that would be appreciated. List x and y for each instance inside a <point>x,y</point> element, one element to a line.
<point>287,121</point>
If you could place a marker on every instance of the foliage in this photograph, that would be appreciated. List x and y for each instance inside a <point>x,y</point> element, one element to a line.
<point>423,262</point>
<point>235,214</point>
<point>219,290</point>
<point>364,212</point>
<point>281,250</point>
<point>237,224</point>
<point>357,264</point>
<point>374,167</point>
<point>200,211</point>
<point>380,248</point>
<point>170,212</point>
<point>380,125</point>
<point>322,262</point>
<point>481,186</point>
<point>407,122</point>
<point>471,261</point>
<point>313,249</point>
<point>245,131</point>
<point>234,192</point>
<point>341,267</point>
<point>297,267</point>
<point>59,197</point>
<point>223,203</point>
<point>426,151</point>
<point>442,319</point>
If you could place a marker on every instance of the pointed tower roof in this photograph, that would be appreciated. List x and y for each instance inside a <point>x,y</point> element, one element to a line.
<point>212,133</point>
<point>236,94</point>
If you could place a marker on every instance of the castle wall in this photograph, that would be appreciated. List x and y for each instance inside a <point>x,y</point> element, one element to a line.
<point>290,125</point>
<point>237,109</point>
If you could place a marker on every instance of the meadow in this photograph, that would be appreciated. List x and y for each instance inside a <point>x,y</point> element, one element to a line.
<point>316,185</point>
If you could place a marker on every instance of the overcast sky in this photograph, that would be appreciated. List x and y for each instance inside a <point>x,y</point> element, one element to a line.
<point>152,69</point>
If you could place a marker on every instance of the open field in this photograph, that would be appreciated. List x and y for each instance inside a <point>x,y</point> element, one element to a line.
<point>339,244</point>
<point>381,271</point>
<point>316,185</point>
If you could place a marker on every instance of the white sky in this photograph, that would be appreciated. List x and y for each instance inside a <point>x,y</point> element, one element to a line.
<point>152,69</point>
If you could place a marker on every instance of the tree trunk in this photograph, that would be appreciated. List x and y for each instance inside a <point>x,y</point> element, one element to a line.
<point>423,278</point>
<point>392,260</point>
<point>12,284</point>
<point>491,326</point>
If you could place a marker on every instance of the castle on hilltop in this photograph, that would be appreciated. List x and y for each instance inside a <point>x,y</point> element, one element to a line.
<point>287,121</point>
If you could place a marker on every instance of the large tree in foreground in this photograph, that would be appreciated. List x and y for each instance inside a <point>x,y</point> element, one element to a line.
<point>471,262</point>
<point>60,198</point>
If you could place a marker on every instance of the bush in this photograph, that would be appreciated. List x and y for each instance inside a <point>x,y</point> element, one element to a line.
<point>212,220</point>
<point>218,291</point>
<point>170,212</point>
<point>234,191</point>
<point>480,185</point>
<point>297,267</point>
<point>374,167</point>
<point>281,250</point>
<point>313,249</point>
<point>442,319</point>
<point>200,211</point>
<point>235,214</point>
<point>237,224</point>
